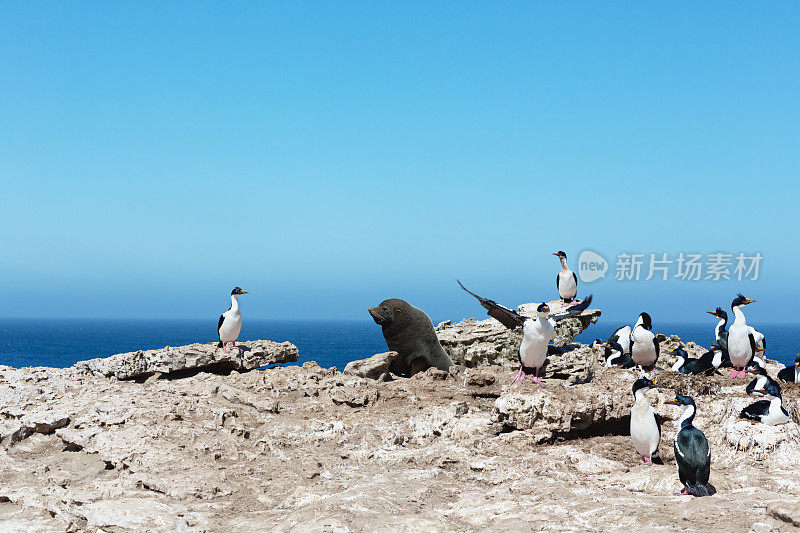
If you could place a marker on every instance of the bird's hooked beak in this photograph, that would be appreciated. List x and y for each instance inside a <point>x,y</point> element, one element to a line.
<point>713,313</point>
<point>749,301</point>
<point>673,401</point>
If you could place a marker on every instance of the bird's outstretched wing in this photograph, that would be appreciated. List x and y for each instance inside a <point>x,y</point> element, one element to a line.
<point>509,318</point>
<point>574,310</point>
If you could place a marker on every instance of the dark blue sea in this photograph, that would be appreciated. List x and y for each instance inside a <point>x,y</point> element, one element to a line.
<point>60,343</point>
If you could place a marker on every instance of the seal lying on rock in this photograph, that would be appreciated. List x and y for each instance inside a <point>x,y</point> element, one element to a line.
<point>409,332</point>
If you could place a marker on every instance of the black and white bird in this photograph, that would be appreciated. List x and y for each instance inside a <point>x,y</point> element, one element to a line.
<point>720,333</point>
<point>622,336</point>
<point>769,411</point>
<point>681,357</point>
<point>616,356</point>
<point>645,425</point>
<point>791,374</point>
<point>230,322</point>
<point>644,344</point>
<point>536,332</point>
<point>566,280</point>
<point>760,382</point>
<point>692,451</point>
<point>742,339</point>
<point>705,364</point>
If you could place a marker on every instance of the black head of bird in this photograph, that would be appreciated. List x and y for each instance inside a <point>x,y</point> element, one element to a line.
<point>237,291</point>
<point>741,301</point>
<point>643,383</point>
<point>680,399</point>
<point>719,313</point>
<point>543,309</point>
<point>797,360</point>
<point>560,254</point>
<point>755,368</point>
<point>771,389</point>
<point>647,323</point>
<point>680,352</point>
<point>611,347</point>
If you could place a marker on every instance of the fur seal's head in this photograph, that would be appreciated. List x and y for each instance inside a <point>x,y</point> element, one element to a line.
<point>386,312</point>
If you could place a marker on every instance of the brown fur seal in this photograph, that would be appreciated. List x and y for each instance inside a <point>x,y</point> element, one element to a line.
<point>409,332</point>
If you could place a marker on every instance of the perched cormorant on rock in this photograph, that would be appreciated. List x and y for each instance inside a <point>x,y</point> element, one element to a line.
<point>566,280</point>
<point>622,336</point>
<point>720,333</point>
<point>230,322</point>
<point>759,384</point>
<point>791,374</point>
<point>644,344</point>
<point>769,411</point>
<point>705,364</point>
<point>681,358</point>
<point>742,343</point>
<point>645,426</point>
<point>536,332</point>
<point>692,451</point>
<point>615,356</point>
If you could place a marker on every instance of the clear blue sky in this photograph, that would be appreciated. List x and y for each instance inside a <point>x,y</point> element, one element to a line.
<point>328,155</point>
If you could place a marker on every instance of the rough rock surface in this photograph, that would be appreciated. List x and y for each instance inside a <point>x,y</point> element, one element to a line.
<point>310,449</point>
<point>192,357</point>
<point>373,367</point>
<point>474,342</point>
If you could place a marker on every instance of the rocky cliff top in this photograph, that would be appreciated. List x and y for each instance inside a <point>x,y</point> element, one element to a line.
<point>312,449</point>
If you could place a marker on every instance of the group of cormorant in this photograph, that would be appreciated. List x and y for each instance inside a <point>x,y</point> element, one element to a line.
<point>740,346</point>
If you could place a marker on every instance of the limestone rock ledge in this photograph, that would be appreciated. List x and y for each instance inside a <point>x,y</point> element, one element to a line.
<point>303,448</point>
<point>192,357</point>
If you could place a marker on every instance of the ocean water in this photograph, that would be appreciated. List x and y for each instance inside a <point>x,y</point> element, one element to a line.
<point>62,342</point>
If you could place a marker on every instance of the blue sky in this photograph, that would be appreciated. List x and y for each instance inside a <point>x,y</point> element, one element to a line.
<point>326,156</point>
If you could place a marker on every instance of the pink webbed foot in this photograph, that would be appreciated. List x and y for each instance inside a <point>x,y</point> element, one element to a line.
<point>519,377</point>
<point>535,379</point>
<point>734,374</point>
<point>685,491</point>
<point>648,462</point>
<point>226,348</point>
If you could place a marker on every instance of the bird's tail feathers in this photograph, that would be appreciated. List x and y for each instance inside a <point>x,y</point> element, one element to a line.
<point>220,345</point>
<point>701,489</point>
